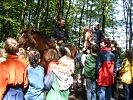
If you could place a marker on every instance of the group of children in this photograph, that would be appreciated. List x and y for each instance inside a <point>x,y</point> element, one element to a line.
<point>100,69</point>
<point>22,78</point>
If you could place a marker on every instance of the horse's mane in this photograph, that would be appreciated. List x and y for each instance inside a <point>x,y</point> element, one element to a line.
<point>42,35</point>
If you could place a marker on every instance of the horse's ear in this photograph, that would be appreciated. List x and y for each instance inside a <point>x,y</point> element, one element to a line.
<point>22,30</point>
<point>31,30</point>
<point>85,28</point>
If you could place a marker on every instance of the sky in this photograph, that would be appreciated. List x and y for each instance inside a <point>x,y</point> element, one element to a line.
<point>120,35</point>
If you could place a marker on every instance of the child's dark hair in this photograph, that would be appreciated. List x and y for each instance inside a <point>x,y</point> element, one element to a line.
<point>114,42</point>
<point>129,55</point>
<point>33,57</point>
<point>94,49</point>
<point>106,41</point>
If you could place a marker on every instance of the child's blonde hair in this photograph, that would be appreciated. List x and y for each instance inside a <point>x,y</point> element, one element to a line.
<point>22,53</point>
<point>52,55</point>
<point>66,65</point>
<point>11,46</point>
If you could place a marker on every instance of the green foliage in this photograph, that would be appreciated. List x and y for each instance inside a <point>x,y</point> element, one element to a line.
<point>11,16</point>
<point>2,44</point>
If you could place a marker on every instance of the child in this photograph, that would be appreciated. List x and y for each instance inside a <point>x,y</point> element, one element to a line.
<point>89,72</point>
<point>2,55</point>
<point>35,90</point>
<point>52,58</point>
<point>62,79</point>
<point>125,73</point>
<point>13,77</point>
<point>105,70</point>
<point>22,56</point>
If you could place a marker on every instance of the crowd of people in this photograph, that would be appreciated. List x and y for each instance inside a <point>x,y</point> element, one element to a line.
<point>22,77</point>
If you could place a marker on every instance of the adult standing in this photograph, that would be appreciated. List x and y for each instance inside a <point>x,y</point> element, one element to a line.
<point>98,35</point>
<point>60,33</point>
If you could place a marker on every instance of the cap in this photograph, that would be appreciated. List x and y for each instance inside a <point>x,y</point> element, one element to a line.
<point>96,23</point>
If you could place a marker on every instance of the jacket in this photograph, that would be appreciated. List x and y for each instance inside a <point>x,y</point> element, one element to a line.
<point>105,67</point>
<point>60,34</point>
<point>125,72</point>
<point>98,35</point>
<point>77,59</point>
<point>35,90</point>
<point>56,94</point>
<point>90,66</point>
<point>14,73</point>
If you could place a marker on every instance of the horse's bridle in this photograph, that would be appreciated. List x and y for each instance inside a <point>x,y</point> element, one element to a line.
<point>29,38</point>
<point>28,35</point>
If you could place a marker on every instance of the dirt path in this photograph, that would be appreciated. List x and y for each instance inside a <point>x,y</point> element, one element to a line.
<point>80,94</point>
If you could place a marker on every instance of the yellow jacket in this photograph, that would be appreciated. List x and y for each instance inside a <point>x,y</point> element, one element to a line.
<point>126,72</point>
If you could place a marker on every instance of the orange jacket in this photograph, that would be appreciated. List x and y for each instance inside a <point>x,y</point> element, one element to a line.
<point>13,72</point>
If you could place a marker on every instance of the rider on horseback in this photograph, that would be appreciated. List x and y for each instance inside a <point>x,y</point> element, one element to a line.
<point>60,33</point>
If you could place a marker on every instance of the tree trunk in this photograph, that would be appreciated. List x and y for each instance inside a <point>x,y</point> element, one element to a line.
<point>130,22</point>
<point>103,16</point>
<point>80,23</point>
<point>68,10</point>
<point>23,14</point>
<point>37,13</point>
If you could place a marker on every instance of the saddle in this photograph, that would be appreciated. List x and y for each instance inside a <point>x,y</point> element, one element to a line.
<point>58,45</point>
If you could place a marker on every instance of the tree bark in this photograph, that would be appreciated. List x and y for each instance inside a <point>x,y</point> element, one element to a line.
<point>23,14</point>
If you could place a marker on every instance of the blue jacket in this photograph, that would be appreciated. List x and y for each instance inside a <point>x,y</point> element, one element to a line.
<point>35,89</point>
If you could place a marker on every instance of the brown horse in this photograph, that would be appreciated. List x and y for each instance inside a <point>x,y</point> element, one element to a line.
<point>41,43</point>
<point>88,37</point>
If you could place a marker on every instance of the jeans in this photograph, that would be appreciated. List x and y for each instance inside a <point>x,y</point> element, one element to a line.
<point>91,88</point>
<point>126,91</point>
<point>115,88</point>
<point>104,92</point>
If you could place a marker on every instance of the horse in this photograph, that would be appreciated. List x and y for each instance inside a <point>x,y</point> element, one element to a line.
<point>40,42</point>
<point>87,37</point>
<point>79,58</point>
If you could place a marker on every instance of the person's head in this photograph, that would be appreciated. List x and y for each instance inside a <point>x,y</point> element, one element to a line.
<point>96,25</point>
<point>34,57</point>
<point>62,22</point>
<point>52,55</point>
<point>2,52</point>
<point>66,65</point>
<point>105,43</point>
<point>113,43</point>
<point>22,53</point>
<point>11,46</point>
<point>129,55</point>
<point>94,49</point>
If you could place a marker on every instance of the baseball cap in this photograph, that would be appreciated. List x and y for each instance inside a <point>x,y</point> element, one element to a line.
<point>96,23</point>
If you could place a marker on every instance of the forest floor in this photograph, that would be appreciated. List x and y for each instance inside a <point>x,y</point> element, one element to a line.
<point>80,93</point>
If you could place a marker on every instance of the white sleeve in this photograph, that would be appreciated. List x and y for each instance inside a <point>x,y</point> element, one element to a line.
<point>83,59</point>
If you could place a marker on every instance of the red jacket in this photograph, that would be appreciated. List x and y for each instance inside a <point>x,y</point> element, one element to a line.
<point>13,72</point>
<point>105,67</point>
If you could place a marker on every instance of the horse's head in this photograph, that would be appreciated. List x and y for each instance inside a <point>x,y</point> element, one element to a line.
<point>87,36</point>
<point>25,39</point>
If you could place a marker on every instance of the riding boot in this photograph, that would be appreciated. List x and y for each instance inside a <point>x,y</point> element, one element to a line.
<point>62,49</point>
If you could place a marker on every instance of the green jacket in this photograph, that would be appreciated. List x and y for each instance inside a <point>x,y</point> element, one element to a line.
<point>89,66</point>
<point>55,93</point>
